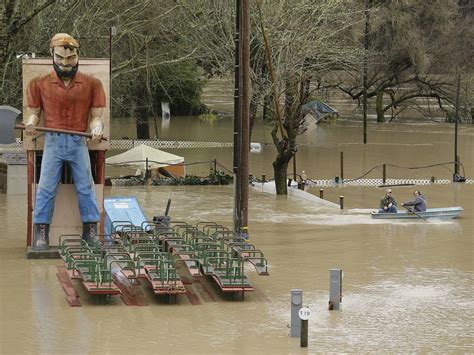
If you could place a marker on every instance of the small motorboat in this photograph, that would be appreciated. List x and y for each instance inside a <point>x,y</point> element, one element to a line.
<point>438,213</point>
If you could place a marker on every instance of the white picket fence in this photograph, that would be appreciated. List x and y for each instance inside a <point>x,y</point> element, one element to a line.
<point>131,143</point>
<point>378,182</point>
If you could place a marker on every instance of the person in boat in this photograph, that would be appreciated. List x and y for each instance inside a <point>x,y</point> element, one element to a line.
<point>388,204</point>
<point>418,203</point>
<point>302,183</point>
<point>73,101</point>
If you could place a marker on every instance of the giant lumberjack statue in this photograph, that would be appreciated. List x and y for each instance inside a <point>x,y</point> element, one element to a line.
<point>69,100</point>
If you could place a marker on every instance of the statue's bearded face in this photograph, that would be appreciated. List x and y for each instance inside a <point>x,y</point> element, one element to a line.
<point>66,61</point>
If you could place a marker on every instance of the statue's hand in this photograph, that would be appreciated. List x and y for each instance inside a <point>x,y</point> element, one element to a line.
<point>32,121</point>
<point>30,130</point>
<point>97,132</point>
<point>96,124</point>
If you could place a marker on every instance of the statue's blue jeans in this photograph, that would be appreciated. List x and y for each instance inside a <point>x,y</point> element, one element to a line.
<point>59,149</point>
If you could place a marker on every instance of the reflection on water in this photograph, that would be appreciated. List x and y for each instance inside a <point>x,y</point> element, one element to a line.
<point>407,284</point>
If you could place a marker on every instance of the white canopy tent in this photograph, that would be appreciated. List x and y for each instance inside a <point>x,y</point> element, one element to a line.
<point>137,158</point>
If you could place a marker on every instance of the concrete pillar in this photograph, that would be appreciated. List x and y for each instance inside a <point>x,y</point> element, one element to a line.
<point>296,304</point>
<point>335,288</point>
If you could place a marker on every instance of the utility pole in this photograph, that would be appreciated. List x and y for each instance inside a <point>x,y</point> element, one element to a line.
<point>237,122</point>
<point>245,111</point>
<point>112,33</point>
<point>456,118</point>
<point>366,49</point>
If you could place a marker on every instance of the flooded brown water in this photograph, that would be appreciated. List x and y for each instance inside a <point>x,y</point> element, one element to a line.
<point>408,286</point>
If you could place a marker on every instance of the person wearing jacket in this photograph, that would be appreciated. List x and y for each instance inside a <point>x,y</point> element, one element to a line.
<point>388,203</point>
<point>418,203</point>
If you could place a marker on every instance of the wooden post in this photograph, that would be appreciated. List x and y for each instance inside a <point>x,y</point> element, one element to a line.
<point>321,193</point>
<point>456,114</point>
<point>245,112</point>
<point>365,75</point>
<point>341,202</point>
<point>342,167</point>
<point>237,122</point>
<point>111,34</point>
<point>304,334</point>
<point>100,171</point>
<point>31,167</point>
<point>384,173</point>
<point>294,168</point>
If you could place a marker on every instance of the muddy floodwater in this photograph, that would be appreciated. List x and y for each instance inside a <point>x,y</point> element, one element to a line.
<point>407,286</point>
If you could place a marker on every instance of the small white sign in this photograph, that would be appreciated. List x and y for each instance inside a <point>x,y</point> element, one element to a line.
<point>304,313</point>
<point>120,205</point>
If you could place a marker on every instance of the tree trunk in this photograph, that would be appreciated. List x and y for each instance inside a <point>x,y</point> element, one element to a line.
<point>286,146</point>
<point>143,127</point>
<point>257,94</point>
<point>279,170</point>
<point>4,48</point>
<point>307,90</point>
<point>267,101</point>
<point>4,43</point>
<point>379,107</point>
<point>280,165</point>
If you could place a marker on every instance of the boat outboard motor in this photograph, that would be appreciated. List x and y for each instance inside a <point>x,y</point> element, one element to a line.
<point>458,178</point>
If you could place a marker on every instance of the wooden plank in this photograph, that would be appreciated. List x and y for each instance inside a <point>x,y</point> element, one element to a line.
<point>204,292</point>
<point>71,295</point>
<point>103,289</point>
<point>132,294</point>
<point>191,295</point>
<point>187,262</point>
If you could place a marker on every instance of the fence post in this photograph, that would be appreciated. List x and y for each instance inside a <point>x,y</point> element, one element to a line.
<point>342,167</point>
<point>341,202</point>
<point>304,334</point>
<point>384,173</point>
<point>321,193</point>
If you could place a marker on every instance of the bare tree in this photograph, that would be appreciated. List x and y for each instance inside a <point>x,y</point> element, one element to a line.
<point>14,17</point>
<point>291,42</point>
<point>408,43</point>
<point>301,40</point>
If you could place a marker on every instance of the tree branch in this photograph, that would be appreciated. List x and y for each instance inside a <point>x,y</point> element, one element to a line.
<point>19,22</point>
